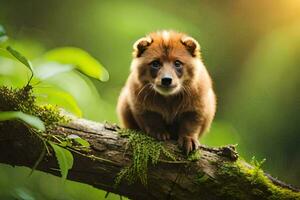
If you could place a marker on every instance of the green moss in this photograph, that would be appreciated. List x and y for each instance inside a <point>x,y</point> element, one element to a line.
<point>201,177</point>
<point>257,177</point>
<point>145,150</point>
<point>194,156</point>
<point>244,182</point>
<point>24,100</point>
<point>238,181</point>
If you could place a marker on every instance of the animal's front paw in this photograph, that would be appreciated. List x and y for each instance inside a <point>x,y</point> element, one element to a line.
<point>188,143</point>
<point>159,134</point>
<point>163,136</point>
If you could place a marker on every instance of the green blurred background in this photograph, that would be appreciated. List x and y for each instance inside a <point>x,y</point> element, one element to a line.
<point>251,49</point>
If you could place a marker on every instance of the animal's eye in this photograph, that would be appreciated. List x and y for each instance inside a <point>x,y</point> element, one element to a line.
<point>178,64</point>
<point>155,64</point>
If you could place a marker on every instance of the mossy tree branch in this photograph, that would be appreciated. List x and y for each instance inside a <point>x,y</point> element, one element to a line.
<point>217,174</point>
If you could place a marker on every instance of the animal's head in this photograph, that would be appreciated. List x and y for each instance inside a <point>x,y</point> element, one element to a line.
<point>166,61</point>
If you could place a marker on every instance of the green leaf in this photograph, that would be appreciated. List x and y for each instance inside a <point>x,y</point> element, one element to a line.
<point>6,54</point>
<point>50,69</point>
<point>79,140</point>
<point>64,158</point>
<point>83,61</point>
<point>20,58</point>
<point>33,121</point>
<point>23,193</point>
<point>54,96</point>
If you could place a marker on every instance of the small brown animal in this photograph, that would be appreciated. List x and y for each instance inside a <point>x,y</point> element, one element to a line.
<point>168,93</point>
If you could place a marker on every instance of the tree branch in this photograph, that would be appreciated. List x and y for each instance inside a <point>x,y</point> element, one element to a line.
<point>218,174</point>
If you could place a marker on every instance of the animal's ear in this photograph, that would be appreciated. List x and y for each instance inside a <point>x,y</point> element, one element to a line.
<point>141,45</point>
<point>191,45</point>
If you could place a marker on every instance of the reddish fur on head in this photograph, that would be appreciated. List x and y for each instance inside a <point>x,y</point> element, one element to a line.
<point>168,92</point>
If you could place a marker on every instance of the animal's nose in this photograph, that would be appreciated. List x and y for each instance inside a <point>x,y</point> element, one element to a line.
<point>166,81</point>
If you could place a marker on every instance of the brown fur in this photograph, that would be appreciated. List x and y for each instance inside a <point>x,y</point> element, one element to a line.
<point>186,109</point>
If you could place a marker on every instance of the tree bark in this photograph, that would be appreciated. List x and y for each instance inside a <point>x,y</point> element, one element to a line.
<point>218,174</point>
